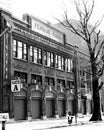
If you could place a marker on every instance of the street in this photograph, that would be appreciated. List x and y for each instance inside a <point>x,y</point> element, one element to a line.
<point>93,126</point>
<point>54,124</point>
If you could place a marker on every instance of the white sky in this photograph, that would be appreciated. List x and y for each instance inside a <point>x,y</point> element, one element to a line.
<point>48,9</point>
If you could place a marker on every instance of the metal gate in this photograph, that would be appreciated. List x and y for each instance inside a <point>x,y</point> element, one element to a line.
<point>36,108</point>
<point>19,109</point>
<point>61,107</point>
<point>50,108</point>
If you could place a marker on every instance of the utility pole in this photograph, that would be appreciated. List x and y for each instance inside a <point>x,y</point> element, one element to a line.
<point>75,70</point>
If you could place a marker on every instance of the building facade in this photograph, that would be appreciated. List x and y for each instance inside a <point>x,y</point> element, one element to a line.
<point>36,69</point>
<point>84,84</point>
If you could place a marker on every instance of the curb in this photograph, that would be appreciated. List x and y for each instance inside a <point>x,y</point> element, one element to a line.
<point>69,125</point>
<point>59,124</point>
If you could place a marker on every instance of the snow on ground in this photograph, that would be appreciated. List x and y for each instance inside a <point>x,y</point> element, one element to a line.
<point>55,124</point>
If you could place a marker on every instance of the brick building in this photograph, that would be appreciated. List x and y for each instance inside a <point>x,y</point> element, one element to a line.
<point>84,69</point>
<point>36,69</point>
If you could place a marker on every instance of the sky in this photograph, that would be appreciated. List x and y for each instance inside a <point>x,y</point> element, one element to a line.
<point>51,9</point>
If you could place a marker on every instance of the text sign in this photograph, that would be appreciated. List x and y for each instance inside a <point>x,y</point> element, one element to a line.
<point>4,116</point>
<point>47,30</point>
<point>16,85</point>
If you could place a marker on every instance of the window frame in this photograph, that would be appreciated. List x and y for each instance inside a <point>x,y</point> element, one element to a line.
<point>60,62</point>
<point>49,59</point>
<point>68,65</point>
<point>50,81</point>
<point>16,51</point>
<point>37,55</point>
<point>36,79</point>
<point>20,76</point>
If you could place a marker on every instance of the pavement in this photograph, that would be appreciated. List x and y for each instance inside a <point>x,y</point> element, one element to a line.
<point>46,124</point>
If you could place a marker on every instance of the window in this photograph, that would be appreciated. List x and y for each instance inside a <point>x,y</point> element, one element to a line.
<point>82,73</point>
<point>49,59</point>
<point>35,50</point>
<point>20,75</point>
<point>68,84</point>
<point>60,62</point>
<point>14,48</point>
<point>69,65</point>
<point>19,50</point>
<point>36,55</point>
<point>60,83</point>
<point>56,61</point>
<point>49,81</point>
<point>71,84</point>
<point>36,79</point>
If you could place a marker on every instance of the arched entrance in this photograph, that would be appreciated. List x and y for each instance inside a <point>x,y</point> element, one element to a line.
<point>20,105</point>
<point>50,104</point>
<point>70,103</point>
<point>84,105</point>
<point>36,104</point>
<point>61,104</point>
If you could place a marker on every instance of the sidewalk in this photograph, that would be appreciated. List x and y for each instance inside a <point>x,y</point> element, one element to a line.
<point>45,124</point>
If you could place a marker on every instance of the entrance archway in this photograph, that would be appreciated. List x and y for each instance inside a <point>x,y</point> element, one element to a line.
<point>50,104</point>
<point>36,105</point>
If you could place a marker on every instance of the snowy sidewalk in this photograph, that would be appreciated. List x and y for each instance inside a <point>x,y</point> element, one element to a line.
<point>44,124</point>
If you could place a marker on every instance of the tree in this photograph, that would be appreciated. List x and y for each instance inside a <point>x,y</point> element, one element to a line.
<point>91,37</point>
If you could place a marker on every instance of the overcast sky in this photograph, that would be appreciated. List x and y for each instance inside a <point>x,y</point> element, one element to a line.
<point>48,9</point>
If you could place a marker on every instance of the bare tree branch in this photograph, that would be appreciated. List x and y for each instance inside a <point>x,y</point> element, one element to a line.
<point>71,27</point>
<point>96,25</point>
<point>96,41</point>
<point>102,43</point>
<point>83,29</point>
<point>100,86</point>
<point>91,36</point>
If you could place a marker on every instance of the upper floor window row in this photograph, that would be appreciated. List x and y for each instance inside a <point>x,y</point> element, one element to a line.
<point>50,59</point>
<point>19,50</point>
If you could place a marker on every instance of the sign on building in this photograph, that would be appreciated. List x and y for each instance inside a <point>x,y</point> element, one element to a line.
<point>16,85</point>
<point>4,116</point>
<point>46,30</point>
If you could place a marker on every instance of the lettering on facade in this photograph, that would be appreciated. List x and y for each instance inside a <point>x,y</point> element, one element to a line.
<point>15,88</point>
<point>19,66</point>
<point>36,70</point>
<point>20,93</point>
<point>49,72</point>
<point>49,95</point>
<point>44,40</point>
<point>60,75</point>
<point>46,30</point>
<point>69,76</point>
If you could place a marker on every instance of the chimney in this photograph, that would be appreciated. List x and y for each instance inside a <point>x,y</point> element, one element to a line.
<point>27,18</point>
